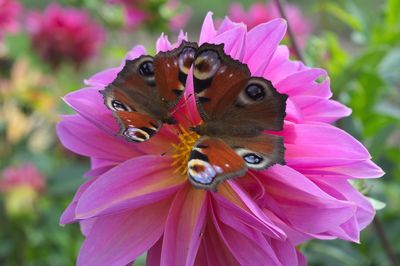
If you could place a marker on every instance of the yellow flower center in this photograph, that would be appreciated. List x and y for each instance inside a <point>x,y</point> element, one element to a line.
<point>181,151</point>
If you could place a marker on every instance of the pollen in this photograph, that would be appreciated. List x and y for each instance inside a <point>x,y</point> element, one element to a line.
<point>181,150</point>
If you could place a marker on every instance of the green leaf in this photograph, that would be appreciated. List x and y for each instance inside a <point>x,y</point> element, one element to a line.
<point>389,67</point>
<point>344,16</point>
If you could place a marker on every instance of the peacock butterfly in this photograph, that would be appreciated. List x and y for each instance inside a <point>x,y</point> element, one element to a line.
<point>235,108</point>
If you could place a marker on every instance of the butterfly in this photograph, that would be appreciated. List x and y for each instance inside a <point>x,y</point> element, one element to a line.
<point>235,108</point>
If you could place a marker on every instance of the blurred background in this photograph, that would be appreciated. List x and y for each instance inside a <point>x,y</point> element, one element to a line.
<point>48,48</point>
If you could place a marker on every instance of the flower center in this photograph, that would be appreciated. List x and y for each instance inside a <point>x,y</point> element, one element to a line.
<point>181,151</point>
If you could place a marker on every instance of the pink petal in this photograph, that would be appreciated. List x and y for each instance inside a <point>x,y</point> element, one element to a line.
<point>184,224</point>
<point>213,250</point>
<point>132,184</point>
<point>120,238</point>
<point>227,25</point>
<point>320,109</point>
<point>134,53</point>
<point>231,199</point>
<point>304,83</point>
<point>343,190</point>
<point>286,252</point>
<point>280,66</point>
<point>302,203</point>
<point>262,41</point>
<point>87,225</point>
<point>321,145</point>
<point>103,78</point>
<point>208,31</point>
<point>348,231</point>
<point>82,137</point>
<point>233,40</point>
<point>248,251</point>
<point>89,103</point>
<point>188,115</point>
<point>153,257</point>
<point>362,169</point>
<point>68,215</point>
<point>96,172</point>
<point>163,44</point>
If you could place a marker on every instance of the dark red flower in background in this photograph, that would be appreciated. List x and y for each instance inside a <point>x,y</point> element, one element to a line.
<point>64,34</point>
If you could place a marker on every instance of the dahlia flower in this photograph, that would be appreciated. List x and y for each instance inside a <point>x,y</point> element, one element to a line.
<point>9,11</point>
<point>64,34</point>
<point>261,12</point>
<point>137,199</point>
<point>21,186</point>
<point>134,16</point>
<point>138,12</point>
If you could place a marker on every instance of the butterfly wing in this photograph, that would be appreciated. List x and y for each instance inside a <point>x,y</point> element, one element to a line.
<point>172,69</point>
<point>229,99</point>
<point>137,127</point>
<point>214,74</point>
<point>212,161</point>
<point>148,87</point>
<point>259,152</point>
<point>236,107</point>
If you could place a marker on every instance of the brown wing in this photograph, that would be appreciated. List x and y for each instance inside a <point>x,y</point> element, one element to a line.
<point>172,68</point>
<point>149,87</point>
<point>259,152</point>
<point>214,74</point>
<point>137,127</point>
<point>230,100</point>
<point>135,89</point>
<point>212,161</point>
<point>254,103</point>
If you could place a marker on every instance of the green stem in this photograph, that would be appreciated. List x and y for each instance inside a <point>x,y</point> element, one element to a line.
<point>385,242</point>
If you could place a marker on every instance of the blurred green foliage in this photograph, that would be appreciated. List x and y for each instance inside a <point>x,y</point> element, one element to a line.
<point>357,41</point>
<point>365,76</point>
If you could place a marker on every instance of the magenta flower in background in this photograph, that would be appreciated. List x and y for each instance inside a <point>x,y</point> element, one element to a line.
<point>9,12</point>
<point>261,12</point>
<point>64,34</point>
<point>25,175</point>
<point>136,201</point>
<point>137,12</point>
<point>181,18</point>
<point>21,186</point>
<point>134,15</point>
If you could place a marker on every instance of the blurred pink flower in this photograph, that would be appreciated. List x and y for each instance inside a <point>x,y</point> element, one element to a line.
<point>181,18</point>
<point>9,12</point>
<point>134,15</point>
<point>135,201</point>
<point>261,12</point>
<point>25,175</point>
<point>64,34</point>
<point>21,187</point>
<point>137,12</point>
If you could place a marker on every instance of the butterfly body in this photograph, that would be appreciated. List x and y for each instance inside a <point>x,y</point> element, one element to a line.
<point>235,108</point>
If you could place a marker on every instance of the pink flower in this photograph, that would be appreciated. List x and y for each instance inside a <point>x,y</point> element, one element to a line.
<point>136,201</point>
<point>64,34</point>
<point>21,187</point>
<point>134,15</point>
<point>180,18</point>
<point>261,12</point>
<point>138,12</point>
<point>9,12</point>
<point>25,175</point>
